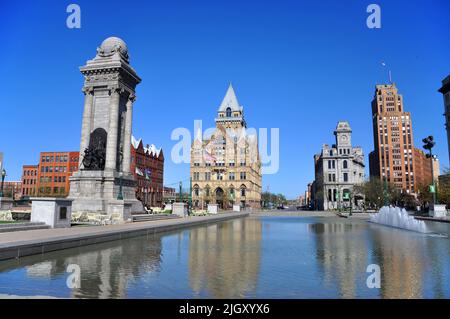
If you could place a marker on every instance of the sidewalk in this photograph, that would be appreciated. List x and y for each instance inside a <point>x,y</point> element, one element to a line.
<point>24,243</point>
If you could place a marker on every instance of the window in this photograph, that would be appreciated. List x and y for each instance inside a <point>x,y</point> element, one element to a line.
<point>231,176</point>
<point>242,192</point>
<point>345,177</point>
<point>345,164</point>
<point>63,213</point>
<point>243,175</point>
<point>228,112</point>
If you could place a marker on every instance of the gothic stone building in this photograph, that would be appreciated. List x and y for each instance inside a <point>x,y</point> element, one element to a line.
<point>225,166</point>
<point>337,169</point>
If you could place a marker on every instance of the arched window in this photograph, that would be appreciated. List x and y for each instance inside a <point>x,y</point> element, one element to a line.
<point>196,190</point>
<point>228,112</point>
<point>344,164</point>
<point>243,190</point>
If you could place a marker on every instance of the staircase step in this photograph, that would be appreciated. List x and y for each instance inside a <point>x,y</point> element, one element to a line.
<point>146,218</point>
<point>22,226</point>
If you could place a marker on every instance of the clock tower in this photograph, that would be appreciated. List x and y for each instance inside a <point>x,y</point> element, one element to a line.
<point>343,135</point>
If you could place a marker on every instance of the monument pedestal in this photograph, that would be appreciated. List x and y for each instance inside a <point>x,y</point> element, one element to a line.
<point>437,211</point>
<point>213,208</point>
<point>6,203</point>
<point>54,212</point>
<point>179,209</point>
<point>97,192</point>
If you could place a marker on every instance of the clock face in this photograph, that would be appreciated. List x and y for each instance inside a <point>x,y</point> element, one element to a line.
<point>344,138</point>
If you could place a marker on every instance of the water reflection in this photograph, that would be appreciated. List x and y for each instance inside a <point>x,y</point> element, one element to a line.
<point>224,259</point>
<point>342,255</point>
<point>106,269</point>
<point>401,256</point>
<point>411,263</point>
<point>268,257</point>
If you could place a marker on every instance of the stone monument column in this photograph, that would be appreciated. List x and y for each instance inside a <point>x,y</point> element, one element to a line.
<point>127,136</point>
<point>102,186</point>
<point>111,144</point>
<point>86,125</point>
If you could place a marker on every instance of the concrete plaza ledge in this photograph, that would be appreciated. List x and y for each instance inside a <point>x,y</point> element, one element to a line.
<point>32,242</point>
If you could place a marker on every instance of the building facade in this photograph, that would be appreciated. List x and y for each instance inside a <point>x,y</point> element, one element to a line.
<point>423,169</point>
<point>337,169</point>
<point>445,90</point>
<point>393,157</point>
<point>147,165</point>
<point>225,166</point>
<point>29,180</point>
<point>54,171</point>
<point>12,189</point>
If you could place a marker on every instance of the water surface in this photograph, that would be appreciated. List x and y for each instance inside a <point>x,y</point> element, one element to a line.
<point>253,257</point>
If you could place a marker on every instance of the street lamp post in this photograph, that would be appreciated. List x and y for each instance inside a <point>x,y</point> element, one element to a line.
<point>120,195</point>
<point>428,145</point>
<point>3,180</point>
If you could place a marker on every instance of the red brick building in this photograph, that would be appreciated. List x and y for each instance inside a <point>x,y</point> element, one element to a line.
<point>12,189</point>
<point>147,165</point>
<point>29,180</point>
<point>422,166</point>
<point>54,171</point>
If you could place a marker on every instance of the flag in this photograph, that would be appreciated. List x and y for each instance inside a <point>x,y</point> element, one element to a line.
<point>139,172</point>
<point>148,173</point>
<point>209,157</point>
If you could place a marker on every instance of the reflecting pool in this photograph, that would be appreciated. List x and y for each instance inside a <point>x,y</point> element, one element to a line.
<point>253,257</point>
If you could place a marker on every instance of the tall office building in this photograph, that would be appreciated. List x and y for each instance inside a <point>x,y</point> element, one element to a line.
<point>393,157</point>
<point>445,90</point>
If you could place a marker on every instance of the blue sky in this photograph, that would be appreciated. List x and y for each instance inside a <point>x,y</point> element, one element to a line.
<point>299,66</point>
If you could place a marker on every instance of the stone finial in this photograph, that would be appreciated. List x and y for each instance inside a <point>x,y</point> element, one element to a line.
<point>111,46</point>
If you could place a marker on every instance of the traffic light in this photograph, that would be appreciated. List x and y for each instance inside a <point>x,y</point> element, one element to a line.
<point>428,142</point>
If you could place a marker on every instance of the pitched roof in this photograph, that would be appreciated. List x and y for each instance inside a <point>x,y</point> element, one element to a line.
<point>230,100</point>
<point>151,149</point>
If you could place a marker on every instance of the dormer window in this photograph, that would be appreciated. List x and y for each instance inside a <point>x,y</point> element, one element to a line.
<point>228,112</point>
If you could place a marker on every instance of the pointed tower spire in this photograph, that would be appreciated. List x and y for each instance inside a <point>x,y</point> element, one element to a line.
<point>230,101</point>
<point>230,111</point>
